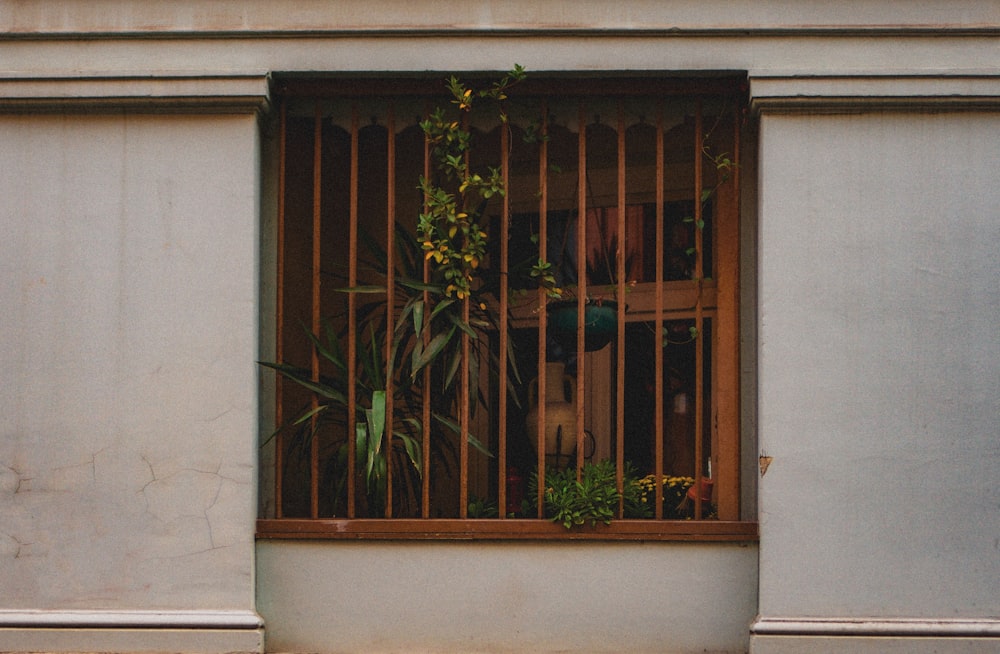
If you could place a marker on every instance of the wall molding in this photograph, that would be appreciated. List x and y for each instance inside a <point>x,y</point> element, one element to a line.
<point>878,627</point>
<point>504,31</point>
<point>188,632</point>
<point>120,19</point>
<point>203,94</point>
<point>91,619</point>
<point>859,93</point>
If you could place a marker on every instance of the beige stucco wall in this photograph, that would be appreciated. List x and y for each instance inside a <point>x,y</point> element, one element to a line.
<point>507,597</point>
<point>879,366</point>
<point>127,462</point>
<point>132,223</point>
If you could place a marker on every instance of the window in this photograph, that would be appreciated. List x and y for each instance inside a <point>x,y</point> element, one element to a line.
<point>647,162</point>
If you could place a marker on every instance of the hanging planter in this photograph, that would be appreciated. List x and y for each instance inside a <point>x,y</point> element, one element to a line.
<point>600,323</point>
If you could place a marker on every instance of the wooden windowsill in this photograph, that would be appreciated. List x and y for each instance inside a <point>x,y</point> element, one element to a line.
<point>504,529</point>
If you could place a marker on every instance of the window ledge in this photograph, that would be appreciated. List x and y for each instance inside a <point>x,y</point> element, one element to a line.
<point>504,529</point>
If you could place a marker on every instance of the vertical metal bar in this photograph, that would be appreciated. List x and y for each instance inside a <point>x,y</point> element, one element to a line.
<point>699,349</point>
<point>279,314</point>
<point>425,416</point>
<point>543,244</point>
<point>464,394</point>
<point>504,309</point>
<point>315,322</point>
<point>390,299</point>
<point>658,386</point>
<point>352,330</point>
<point>620,294</point>
<point>581,272</point>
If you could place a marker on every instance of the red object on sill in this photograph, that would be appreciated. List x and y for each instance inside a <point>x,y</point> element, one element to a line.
<point>706,491</point>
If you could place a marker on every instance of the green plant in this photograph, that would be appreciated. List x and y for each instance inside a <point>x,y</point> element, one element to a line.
<point>431,315</point>
<point>455,197</point>
<point>425,335</point>
<point>482,508</point>
<point>589,498</point>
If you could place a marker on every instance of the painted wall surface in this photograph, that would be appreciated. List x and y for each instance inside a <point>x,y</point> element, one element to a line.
<point>127,428</point>
<point>507,597</point>
<point>879,365</point>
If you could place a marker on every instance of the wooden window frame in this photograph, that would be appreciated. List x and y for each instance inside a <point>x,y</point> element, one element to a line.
<point>709,299</point>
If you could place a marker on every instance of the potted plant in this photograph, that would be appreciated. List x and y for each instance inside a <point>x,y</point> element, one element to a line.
<point>432,313</point>
<point>590,498</point>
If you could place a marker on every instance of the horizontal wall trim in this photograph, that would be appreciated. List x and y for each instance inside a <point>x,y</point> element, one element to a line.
<point>101,619</point>
<point>251,93</point>
<point>422,31</point>
<point>229,94</point>
<point>866,92</point>
<point>310,17</point>
<point>877,627</point>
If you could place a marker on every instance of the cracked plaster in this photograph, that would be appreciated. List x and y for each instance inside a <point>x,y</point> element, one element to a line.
<point>128,421</point>
<point>50,518</point>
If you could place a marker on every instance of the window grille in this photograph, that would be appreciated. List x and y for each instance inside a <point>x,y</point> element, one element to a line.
<point>649,163</point>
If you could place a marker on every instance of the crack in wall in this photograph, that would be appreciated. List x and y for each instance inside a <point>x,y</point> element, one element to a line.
<point>21,547</point>
<point>15,481</point>
<point>91,463</point>
<point>190,492</point>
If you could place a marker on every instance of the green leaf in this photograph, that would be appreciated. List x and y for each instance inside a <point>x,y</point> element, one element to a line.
<point>418,316</point>
<point>441,306</point>
<point>428,354</point>
<point>377,420</point>
<point>373,365</point>
<point>453,365</point>
<point>420,286</point>
<point>457,429</point>
<point>302,377</point>
<point>413,450</point>
<point>362,440</point>
<point>464,326</point>
<point>309,414</point>
<point>332,354</point>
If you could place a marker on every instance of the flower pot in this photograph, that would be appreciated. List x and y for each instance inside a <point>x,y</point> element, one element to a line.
<point>600,323</point>
<point>560,415</point>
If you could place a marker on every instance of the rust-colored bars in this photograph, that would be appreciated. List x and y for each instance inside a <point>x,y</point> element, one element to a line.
<point>352,329</point>
<point>658,425</point>
<point>709,302</point>
<point>620,295</point>
<point>699,322</point>
<point>581,276</point>
<point>543,241</point>
<point>503,319</point>
<point>390,300</point>
<point>279,313</point>
<point>463,413</point>
<point>317,230</point>
<point>425,400</point>
<point>464,392</point>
